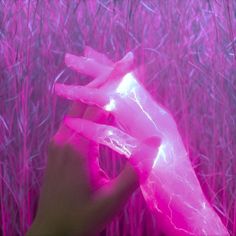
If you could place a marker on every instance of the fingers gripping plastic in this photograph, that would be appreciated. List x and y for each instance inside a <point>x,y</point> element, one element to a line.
<point>110,136</point>
<point>141,155</point>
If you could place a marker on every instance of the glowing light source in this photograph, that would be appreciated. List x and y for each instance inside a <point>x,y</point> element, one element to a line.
<point>111,105</point>
<point>127,84</point>
<point>160,154</point>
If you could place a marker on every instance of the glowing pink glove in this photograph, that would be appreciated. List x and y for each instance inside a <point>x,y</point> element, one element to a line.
<point>172,189</point>
<point>140,153</point>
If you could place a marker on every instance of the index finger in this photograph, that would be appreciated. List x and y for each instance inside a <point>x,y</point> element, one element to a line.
<point>85,65</point>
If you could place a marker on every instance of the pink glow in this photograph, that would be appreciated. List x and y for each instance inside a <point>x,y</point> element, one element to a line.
<point>185,53</point>
<point>171,190</point>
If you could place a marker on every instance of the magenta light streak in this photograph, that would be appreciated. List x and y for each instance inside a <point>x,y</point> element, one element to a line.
<point>172,190</point>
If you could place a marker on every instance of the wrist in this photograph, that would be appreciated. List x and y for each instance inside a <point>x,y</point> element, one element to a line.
<point>46,228</point>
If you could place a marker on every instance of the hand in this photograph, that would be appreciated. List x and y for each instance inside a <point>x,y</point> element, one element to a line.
<point>75,190</point>
<point>68,204</point>
<point>176,197</point>
<point>114,87</point>
<point>85,148</point>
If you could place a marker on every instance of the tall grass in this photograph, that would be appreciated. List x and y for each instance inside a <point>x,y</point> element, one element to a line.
<point>188,49</point>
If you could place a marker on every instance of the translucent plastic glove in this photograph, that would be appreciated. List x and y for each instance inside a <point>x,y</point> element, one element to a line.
<point>141,154</point>
<point>172,189</point>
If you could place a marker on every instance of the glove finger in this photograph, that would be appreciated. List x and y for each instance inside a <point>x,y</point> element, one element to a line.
<point>97,56</point>
<point>91,96</point>
<point>109,136</point>
<point>86,65</point>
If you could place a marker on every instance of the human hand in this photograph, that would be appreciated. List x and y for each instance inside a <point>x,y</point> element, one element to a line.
<point>85,148</point>
<point>113,95</point>
<point>172,189</point>
<point>75,190</point>
<point>117,90</point>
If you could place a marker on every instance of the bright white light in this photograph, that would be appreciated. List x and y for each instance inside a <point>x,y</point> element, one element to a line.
<point>204,205</point>
<point>127,84</point>
<point>111,105</point>
<point>109,132</point>
<point>160,155</point>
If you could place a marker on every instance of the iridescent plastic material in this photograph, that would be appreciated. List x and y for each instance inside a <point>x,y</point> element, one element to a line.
<point>171,190</point>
